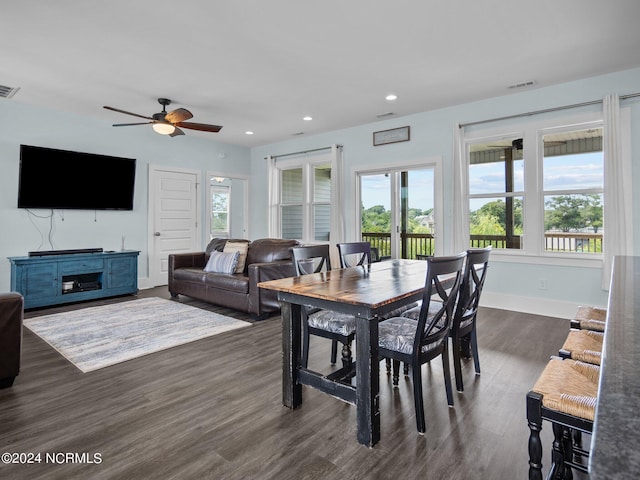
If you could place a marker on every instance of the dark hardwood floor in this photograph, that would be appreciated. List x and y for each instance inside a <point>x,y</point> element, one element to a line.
<point>212,409</point>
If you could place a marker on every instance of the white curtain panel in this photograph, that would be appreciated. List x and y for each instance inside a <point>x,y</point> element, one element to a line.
<point>274,231</point>
<point>337,202</point>
<point>460,190</point>
<point>617,190</point>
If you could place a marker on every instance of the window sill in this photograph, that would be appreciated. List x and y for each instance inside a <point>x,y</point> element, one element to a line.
<point>565,260</point>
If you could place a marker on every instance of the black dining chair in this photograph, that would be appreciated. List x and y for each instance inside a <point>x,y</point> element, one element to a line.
<point>415,343</point>
<point>337,327</point>
<point>463,328</point>
<point>354,254</point>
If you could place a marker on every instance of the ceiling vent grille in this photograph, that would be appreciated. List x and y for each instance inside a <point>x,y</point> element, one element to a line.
<point>530,83</point>
<point>7,92</point>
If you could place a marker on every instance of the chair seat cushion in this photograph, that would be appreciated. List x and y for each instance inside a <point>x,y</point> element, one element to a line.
<point>397,334</point>
<point>399,312</point>
<point>334,322</point>
<point>414,313</point>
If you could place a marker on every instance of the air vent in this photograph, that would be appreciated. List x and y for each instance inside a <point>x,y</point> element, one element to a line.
<point>530,83</point>
<point>297,134</point>
<point>7,92</point>
<point>383,115</point>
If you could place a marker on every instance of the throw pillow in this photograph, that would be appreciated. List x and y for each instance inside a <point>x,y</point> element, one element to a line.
<point>242,248</point>
<point>220,262</point>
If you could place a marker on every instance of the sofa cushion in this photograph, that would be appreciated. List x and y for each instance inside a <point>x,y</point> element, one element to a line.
<point>227,282</point>
<point>241,248</point>
<point>195,275</point>
<point>218,244</point>
<point>220,262</point>
<point>266,250</point>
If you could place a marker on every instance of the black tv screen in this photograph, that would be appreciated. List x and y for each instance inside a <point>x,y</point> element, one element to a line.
<point>61,179</point>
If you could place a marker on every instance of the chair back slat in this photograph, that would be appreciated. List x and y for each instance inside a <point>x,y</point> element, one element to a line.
<point>434,326</point>
<point>311,259</point>
<point>475,273</point>
<point>360,250</point>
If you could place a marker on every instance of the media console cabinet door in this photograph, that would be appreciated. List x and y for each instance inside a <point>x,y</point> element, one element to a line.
<point>123,272</point>
<point>40,280</point>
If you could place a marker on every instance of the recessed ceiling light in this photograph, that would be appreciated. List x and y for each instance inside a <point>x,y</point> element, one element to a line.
<point>391,97</point>
<point>248,132</point>
<point>307,118</point>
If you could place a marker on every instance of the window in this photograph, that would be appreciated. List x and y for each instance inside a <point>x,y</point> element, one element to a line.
<point>573,184</point>
<point>539,191</point>
<point>305,202</point>
<point>219,211</point>
<point>496,191</point>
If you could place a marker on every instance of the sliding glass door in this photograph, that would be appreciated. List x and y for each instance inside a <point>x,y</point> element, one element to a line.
<point>397,208</point>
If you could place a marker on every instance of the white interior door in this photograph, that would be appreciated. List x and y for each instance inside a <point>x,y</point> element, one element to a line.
<point>174,218</point>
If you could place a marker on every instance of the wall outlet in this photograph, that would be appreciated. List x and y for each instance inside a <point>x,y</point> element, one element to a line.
<point>543,284</point>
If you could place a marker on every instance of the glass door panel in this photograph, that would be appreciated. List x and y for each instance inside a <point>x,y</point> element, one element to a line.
<point>375,214</point>
<point>397,212</point>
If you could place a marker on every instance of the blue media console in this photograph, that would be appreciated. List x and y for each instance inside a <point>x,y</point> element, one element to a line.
<point>65,278</point>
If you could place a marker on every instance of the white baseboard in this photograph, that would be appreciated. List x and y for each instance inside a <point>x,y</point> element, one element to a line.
<point>534,305</point>
<point>144,283</point>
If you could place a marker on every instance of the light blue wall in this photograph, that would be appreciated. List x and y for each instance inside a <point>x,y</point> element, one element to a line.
<point>432,135</point>
<point>25,124</point>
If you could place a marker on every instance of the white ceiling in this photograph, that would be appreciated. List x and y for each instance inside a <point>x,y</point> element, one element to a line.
<point>262,65</point>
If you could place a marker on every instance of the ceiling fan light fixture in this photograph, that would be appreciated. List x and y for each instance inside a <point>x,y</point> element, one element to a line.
<point>163,128</point>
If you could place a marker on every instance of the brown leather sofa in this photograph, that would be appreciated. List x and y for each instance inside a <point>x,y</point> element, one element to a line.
<point>11,315</point>
<point>267,259</point>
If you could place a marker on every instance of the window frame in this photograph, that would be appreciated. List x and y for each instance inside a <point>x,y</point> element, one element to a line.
<point>532,132</point>
<point>219,189</point>
<point>308,166</point>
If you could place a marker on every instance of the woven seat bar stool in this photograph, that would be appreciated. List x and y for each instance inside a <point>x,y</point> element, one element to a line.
<point>583,345</point>
<point>565,395</point>
<point>590,318</point>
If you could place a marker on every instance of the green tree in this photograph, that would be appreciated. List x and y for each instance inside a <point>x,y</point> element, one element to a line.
<point>573,212</point>
<point>494,213</point>
<point>592,212</point>
<point>486,224</point>
<point>376,219</point>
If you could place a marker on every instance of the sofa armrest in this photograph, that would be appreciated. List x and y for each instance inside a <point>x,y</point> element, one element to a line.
<point>262,301</point>
<point>185,260</point>
<point>11,316</point>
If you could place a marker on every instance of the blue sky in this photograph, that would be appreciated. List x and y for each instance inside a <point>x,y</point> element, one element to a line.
<point>562,172</point>
<point>376,190</point>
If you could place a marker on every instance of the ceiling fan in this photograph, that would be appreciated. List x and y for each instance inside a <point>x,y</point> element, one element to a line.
<point>516,144</point>
<point>167,123</point>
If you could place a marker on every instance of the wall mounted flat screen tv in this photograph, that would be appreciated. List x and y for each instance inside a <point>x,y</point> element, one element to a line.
<point>62,179</point>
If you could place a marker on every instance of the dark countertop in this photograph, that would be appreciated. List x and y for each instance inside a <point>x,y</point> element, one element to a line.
<point>616,437</point>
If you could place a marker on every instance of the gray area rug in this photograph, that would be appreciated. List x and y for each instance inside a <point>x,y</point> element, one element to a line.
<point>96,337</point>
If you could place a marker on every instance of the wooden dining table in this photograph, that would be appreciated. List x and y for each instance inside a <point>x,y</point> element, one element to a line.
<point>367,292</point>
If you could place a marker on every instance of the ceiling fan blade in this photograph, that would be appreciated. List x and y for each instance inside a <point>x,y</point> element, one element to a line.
<point>176,132</point>
<point>129,124</point>
<point>178,115</point>
<point>200,126</point>
<point>126,113</point>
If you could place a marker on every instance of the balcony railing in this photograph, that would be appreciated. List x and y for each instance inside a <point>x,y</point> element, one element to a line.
<point>418,244</point>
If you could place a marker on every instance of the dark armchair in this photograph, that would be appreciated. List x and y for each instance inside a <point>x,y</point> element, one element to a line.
<point>11,315</point>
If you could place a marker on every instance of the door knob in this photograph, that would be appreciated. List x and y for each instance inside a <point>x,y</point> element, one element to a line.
<point>157,234</point>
